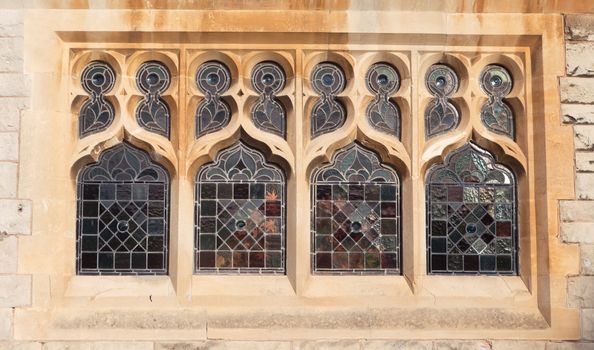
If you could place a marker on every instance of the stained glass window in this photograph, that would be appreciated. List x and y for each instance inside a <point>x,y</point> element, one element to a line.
<point>441,115</point>
<point>328,114</point>
<point>123,214</point>
<point>97,113</point>
<point>213,78</point>
<point>240,214</point>
<point>383,81</point>
<point>268,79</point>
<point>471,215</point>
<point>153,78</point>
<point>355,215</point>
<point>496,114</point>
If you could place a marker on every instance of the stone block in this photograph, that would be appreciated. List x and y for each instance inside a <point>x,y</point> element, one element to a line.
<point>5,324</point>
<point>588,323</point>
<point>584,162</point>
<point>584,185</point>
<point>518,345</point>
<point>350,344</point>
<point>579,58</point>
<point>10,112</point>
<point>9,146</point>
<point>577,232</point>
<point>461,345</point>
<point>225,345</point>
<point>397,345</point>
<point>570,346</point>
<point>580,291</point>
<point>14,85</point>
<point>11,54</point>
<point>8,253</point>
<point>584,137</point>
<point>587,259</point>
<point>20,346</point>
<point>572,211</point>
<point>575,90</point>
<point>99,345</point>
<point>11,23</point>
<point>15,216</point>
<point>8,180</point>
<point>15,290</point>
<point>579,27</point>
<point>577,114</point>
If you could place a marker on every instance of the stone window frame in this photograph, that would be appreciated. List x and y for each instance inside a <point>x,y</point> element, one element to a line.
<point>532,301</point>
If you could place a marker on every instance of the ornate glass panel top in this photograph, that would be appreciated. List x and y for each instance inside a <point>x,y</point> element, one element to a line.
<point>355,215</point>
<point>328,114</point>
<point>441,115</point>
<point>496,115</point>
<point>268,114</point>
<point>123,213</point>
<point>383,80</point>
<point>213,78</point>
<point>152,113</point>
<point>240,214</point>
<point>472,215</point>
<point>98,78</point>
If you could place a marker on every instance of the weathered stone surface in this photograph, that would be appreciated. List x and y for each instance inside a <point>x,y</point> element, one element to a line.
<point>579,58</point>
<point>576,90</point>
<point>328,344</point>
<point>226,345</point>
<point>584,162</point>
<point>587,259</point>
<point>14,85</point>
<point>579,27</point>
<point>397,345</point>
<point>461,345</point>
<point>10,112</point>
<point>20,346</point>
<point>576,232</point>
<point>9,146</point>
<point>15,290</point>
<point>518,345</point>
<point>8,185</point>
<point>8,253</point>
<point>569,346</point>
<point>11,23</point>
<point>577,114</point>
<point>101,345</point>
<point>572,211</point>
<point>15,216</point>
<point>588,322</point>
<point>584,185</point>
<point>584,137</point>
<point>11,54</point>
<point>133,320</point>
<point>580,291</point>
<point>5,324</point>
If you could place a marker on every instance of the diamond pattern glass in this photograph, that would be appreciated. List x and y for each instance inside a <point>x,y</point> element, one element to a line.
<point>240,214</point>
<point>268,114</point>
<point>213,78</point>
<point>97,113</point>
<point>153,78</point>
<point>471,215</point>
<point>355,224</point>
<point>328,114</point>
<point>441,115</point>
<point>496,114</point>
<point>123,214</point>
<point>383,81</point>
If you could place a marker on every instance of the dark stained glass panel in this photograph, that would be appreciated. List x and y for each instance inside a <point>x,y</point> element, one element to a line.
<point>355,224</point>
<point>441,115</point>
<point>328,113</point>
<point>97,113</point>
<point>123,212</point>
<point>213,113</point>
<point>240,214</point>
<point>496,114</point>
<point>383,114</point>
<point>471,215</point>
<point>153,78</point>
<point>268,114</point>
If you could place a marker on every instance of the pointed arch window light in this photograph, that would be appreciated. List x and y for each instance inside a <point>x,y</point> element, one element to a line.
<point>123,214</point>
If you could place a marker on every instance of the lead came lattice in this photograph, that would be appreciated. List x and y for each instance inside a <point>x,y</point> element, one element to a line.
<point>97,79</point>
<point>496,114</point>
<point>328,114</point>
<point>213,113</point>
<point>153,78</point>
<point>441,115</point>
<point>268,114</point>
<point>383,80</point>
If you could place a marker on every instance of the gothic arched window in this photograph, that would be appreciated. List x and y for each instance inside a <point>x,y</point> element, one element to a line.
<point>123,214</point>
